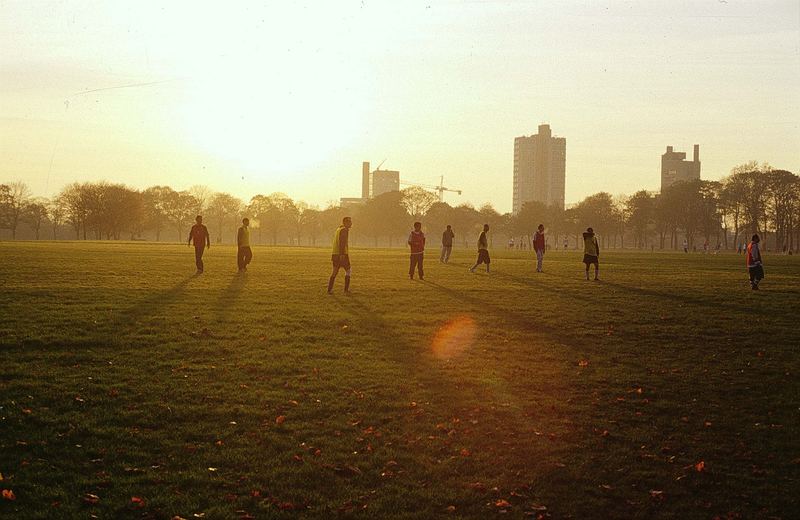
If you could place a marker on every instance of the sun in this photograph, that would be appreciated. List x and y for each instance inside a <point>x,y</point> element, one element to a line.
<point>273,123</point>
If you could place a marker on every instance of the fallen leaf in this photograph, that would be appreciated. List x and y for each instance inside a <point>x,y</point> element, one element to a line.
<point>700,466</point>
<point>213,469</point>
<point>137,502</point>
<point>90,498</point>
<point>450,509</point>
<point>502,503</point>
<point>9,494</point>
<point>465,452</point>
<point>583,363</point>
<point>280,419</point>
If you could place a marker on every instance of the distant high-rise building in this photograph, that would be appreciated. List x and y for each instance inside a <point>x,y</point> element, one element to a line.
<point>539,169</point>
<point>384,181</point>
<point>675,167</point>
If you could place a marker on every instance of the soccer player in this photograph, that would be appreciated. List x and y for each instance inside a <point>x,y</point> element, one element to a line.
<point>244,253</point>
<point>591,253</point>
<point>199,235</point>
<point>417,242</point>
<point>538,246</point>
<point>754,266</point>
<point>483,250</point>
<point>447,244</point>
<point>340,257</point>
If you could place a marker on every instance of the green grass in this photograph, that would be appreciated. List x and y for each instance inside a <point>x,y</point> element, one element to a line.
<point>124,375</point>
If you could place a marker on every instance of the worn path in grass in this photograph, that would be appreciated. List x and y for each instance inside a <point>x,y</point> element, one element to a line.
<point>130,387</point>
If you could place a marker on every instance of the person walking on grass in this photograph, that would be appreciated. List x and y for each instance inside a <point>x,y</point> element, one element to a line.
<point>340,257</point>
<point>483,250</point>
<point>417,242</point>
<point>199,235</point>
<point>447,244</point>
<point>539,246</point>
<point>754,265</point>
<point>244,253</point>
<point>591,253</point>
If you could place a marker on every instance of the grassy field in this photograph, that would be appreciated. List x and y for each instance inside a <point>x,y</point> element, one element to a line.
<point>130,388</point>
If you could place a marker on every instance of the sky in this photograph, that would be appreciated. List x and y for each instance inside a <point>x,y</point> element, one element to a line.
<point>261,97</point>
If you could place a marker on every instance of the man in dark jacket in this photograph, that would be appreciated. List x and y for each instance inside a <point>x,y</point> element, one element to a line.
<point>591,253</point>
<point>483,250</point>
<point>447,244</point>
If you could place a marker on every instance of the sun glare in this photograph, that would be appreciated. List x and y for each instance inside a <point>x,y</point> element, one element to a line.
<point>272,100</point>
<point>454,337</point>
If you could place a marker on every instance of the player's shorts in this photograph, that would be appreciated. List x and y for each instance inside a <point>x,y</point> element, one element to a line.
<point>756,272</point>
<point>483,256</point>
<point>342,261</point>
<point>590,259</point>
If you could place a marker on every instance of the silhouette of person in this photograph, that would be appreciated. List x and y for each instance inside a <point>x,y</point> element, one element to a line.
<point>447,244</point>
<point>199,235</point>
<point>483,250</point>
<point>244,254</point>
<point>754,265</point>
<point>340,257</point>
<point>538,246</point>
<point>416,239</point>
<point>591,253</point>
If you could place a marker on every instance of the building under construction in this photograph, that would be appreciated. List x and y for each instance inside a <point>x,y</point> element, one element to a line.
<point>378,182</point>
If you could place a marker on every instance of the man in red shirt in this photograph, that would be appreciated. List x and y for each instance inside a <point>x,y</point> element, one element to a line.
<point>417,242</point>
<point>199,235</point>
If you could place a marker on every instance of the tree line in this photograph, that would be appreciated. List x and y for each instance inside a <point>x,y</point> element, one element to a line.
<point>752,199</point>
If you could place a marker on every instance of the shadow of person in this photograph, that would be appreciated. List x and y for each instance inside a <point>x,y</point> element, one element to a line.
<point>226,301</point>
<point>151,304</point>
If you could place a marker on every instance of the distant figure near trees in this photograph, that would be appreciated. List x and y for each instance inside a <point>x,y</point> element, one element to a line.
<point>591,253</point>
<point>244,254</point>
<point>754,265</point>
<point>340,256</point>
<point>539,246</point>
<point>483,250</point>
<point>685,246</point>
<point>447,244</point>
<point>199,235</point>
<point>417,242</point>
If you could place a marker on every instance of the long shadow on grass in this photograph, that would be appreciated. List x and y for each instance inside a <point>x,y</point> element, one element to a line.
<point>149,305</point>
<point>226,301</point>
<point>412,363</point>
<point>519,321</point>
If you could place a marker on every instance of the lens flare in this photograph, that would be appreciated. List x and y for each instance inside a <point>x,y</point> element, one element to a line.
<point>454,337</point>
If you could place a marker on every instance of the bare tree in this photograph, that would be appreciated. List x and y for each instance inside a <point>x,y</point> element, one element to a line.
<point>417,201</point>
<point>14,198</point>
<point>36,214</point>
<point>224,208</point>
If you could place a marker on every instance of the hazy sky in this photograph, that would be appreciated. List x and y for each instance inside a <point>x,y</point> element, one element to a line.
<point>282,96</point>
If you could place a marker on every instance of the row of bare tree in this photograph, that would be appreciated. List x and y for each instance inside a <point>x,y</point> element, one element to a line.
<point>752,199</point>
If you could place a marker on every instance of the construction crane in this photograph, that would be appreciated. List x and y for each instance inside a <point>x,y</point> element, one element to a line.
<point>440,189</point>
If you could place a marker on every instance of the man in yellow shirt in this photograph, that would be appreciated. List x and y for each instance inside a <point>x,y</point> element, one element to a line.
<point>244,254</point>
<point>591,253</point>
<point>340,257</point>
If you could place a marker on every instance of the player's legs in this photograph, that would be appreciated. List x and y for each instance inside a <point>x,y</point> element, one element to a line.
<point>332,278</point>
<point>198,258</point>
